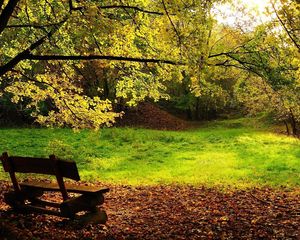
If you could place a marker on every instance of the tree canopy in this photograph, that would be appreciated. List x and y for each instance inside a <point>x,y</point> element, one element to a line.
<point>74,62</point>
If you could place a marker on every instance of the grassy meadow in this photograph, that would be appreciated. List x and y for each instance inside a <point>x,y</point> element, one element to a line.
<point>232,152</point>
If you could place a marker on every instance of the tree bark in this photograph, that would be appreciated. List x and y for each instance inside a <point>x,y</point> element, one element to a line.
<point>100,57</point>
<point>293,123</point>
<point>287,127</point>
<point>6,13</point>
<point>25,54</point>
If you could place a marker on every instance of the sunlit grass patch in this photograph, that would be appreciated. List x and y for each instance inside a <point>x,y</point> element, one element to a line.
<point>220,153</point>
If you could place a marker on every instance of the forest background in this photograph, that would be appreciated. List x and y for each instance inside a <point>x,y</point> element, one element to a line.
<point>83,64</point>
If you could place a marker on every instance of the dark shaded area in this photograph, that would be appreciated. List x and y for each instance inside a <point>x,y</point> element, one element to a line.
<point>170,212</point>
<point>12,114</point>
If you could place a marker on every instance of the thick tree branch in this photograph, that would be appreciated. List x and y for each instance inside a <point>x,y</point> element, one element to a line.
<point>33,25</point>
<point>131,7</point>
<point>72,8</point>
<point>1,3</point>
<point>21,56</point>
<point>100,57</point>
<point>26,53</point>
<point>6,13</point>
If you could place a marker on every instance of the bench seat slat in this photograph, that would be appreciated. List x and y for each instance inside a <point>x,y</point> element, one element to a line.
<point>70,187</point>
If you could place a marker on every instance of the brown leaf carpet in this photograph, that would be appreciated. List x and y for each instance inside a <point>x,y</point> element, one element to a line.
<point>169,212</point>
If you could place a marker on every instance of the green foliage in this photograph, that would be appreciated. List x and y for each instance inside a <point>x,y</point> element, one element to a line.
<point>275,88</point>
<point>172,30</point>
<point>202,101</point>
<point>268,61</point>
<point>228,152</point>
<point>210,59</point>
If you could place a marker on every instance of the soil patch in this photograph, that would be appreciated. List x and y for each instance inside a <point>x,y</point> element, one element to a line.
<point>148,115</point>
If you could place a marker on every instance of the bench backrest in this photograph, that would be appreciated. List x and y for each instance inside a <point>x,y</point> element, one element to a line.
<point>50,166</point>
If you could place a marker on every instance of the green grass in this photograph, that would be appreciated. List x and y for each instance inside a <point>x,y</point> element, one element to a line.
<point>230,152</point>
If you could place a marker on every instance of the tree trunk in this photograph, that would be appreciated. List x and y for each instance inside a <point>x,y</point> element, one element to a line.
<point>287,127</point>
<point>198,112</point>
<point>293,123</point>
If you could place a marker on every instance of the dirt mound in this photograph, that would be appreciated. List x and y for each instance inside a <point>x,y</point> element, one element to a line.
<point>148,115</point>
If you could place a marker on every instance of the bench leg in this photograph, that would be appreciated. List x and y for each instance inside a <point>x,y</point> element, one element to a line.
<point>89,203</point>
<point>17,202</point>
<point>68,208</point>
<point>14,200</point>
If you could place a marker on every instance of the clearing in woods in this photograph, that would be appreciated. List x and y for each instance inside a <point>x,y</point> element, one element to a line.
<point>232,152</point>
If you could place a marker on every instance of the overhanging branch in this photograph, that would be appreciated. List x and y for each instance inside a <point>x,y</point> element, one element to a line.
<point>6,13</point>
<point>27,52</point>
<point>24,54</point>
<point>32,25</point>
<point>131,7</point>
<point>100,57</point>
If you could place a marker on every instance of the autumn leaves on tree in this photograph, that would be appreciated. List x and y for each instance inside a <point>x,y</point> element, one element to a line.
<point>75,62</point>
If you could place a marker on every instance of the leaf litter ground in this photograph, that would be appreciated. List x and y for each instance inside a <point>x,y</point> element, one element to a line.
<point>170,212</point>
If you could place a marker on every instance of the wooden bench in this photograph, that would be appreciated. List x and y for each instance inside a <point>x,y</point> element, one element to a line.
<point>26,195</point>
